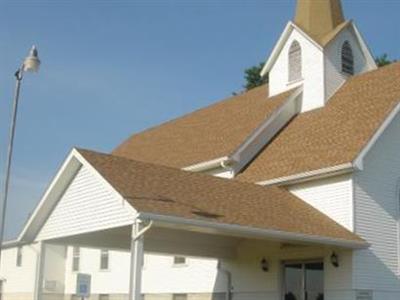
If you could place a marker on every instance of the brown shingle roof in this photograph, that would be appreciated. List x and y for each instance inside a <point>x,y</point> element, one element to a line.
<point>334,134</point>
<point>205,134</point>
<point>168,191</point>
<point>325,137</point>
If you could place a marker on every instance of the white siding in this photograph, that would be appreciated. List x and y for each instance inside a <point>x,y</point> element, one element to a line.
<point>20,281</point>
<point>334,78</point>
<point>333,196</point>
<point>159,274</point>
<point>87,205</point>
<point>376,216</point>
<point>312,71</point>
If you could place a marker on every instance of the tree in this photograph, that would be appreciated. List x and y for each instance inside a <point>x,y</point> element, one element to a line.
<point>253,78</point>
<point>383,60</point>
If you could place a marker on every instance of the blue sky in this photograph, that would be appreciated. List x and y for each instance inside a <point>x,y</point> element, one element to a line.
<point>112,68</point>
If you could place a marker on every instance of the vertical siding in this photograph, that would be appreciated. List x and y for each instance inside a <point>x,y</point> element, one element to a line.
<point>312,72</point>
<point>332,196</point>
<point>376,214</point>
<point>87,205</point>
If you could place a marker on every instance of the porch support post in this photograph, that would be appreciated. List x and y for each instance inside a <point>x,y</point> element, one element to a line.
<point>137,256</point>
<point>41,256</point>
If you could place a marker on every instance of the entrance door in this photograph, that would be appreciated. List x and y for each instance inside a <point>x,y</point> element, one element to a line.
<point>304,281</point>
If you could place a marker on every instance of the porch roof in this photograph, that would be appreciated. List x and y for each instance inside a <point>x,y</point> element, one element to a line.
<point>161,191</point>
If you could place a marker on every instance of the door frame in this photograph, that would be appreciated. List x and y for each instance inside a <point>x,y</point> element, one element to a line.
<point>303,262</point>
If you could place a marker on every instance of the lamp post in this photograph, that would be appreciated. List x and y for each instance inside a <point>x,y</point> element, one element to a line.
<point>30,64</point>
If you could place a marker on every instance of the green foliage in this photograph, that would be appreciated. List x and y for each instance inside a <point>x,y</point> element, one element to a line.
<point>383,60</point>
<point>253,78</point>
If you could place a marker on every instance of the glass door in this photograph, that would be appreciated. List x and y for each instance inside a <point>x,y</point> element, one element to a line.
<point>303,281</point>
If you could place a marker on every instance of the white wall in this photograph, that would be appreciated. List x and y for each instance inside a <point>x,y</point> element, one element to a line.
<point>20,281</point>
<point>160,275</point>
<point>377,215</point>
<point>54,270</point>
<point>332,196</point>
<point>250,282</point>
<point>334,78</point>
<point>312,71</point>
<point>87,205</point>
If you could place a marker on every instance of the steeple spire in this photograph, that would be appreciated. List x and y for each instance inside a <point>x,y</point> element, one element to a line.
<point>318,17</point>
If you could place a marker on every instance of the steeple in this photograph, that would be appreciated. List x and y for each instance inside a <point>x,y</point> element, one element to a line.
<point>318,17</point>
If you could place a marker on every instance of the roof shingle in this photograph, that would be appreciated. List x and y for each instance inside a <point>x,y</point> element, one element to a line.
<point>205,134</point>
<point>168,191</point>
<point>334,134</point>
<point>321,138</point>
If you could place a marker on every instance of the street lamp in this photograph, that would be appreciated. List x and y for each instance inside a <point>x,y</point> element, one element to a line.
<point>30,64</point>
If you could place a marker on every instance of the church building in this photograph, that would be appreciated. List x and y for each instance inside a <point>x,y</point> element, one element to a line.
<point>292,189</point>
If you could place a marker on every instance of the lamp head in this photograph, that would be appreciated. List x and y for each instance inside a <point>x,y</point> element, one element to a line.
<point>32,62</point>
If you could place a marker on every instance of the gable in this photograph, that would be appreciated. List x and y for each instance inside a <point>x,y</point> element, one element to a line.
<point>87,204</point>
<point>311,78</point>
<point>334,77</point>
<point>377,203</point>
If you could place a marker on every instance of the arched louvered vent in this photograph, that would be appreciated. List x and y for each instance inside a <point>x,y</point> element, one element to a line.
<point>347,59</point>
<point>294,61</point>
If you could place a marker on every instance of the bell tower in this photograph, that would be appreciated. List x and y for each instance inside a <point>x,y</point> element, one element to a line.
<point>317,52</point>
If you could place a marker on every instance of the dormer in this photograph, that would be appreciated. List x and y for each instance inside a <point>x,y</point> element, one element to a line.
<point>319,50</point>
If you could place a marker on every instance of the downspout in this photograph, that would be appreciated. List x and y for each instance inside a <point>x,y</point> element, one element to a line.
<point>143,231</point>
<point>228,275</point>
<point>227,165</point>
<point>137,257</point>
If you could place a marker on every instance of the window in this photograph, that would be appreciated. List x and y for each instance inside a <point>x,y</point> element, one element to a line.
<point>104,259</point>
<point>295,61</point>
<point>19,257</point>
<point>104,297</point>
<point>347,59</point>
<point>179,260</point>
<point>179,297</point>
<point>76,254</point>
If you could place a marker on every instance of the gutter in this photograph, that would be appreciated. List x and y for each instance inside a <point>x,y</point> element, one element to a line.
<point>247,231</point>
<point>320,173</point>
<point>208,165</point>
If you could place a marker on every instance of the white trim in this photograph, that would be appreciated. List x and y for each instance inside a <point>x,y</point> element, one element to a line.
<point>11,244</point>
<point>207,165</point>
<point>265,124</point>
<point>366,50</point>
<point>68,161</point>
<point>267,130</point>
<point>325,172</point>
<point>40,264</point>
<point>85,163</point>
<point>280,44</point>
<point>73,163</point>
<point>246,231</point>
<point>359,161</point>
